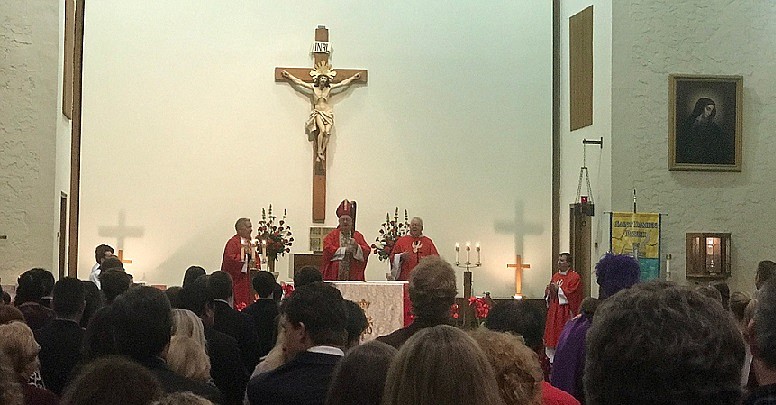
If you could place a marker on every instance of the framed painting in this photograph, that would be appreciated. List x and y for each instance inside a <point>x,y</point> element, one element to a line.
<point>704,122</point>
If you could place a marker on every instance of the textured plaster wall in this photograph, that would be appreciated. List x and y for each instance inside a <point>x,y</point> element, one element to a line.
<point>28,94</point>
<point>652,39</point>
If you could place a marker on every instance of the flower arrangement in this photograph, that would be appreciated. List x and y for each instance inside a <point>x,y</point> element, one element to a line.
<point>274,239</point>
<point>390,231</point>
<point>288,289</point>
<point>481,306</point>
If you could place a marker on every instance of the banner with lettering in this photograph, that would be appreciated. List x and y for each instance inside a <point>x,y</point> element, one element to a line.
<point>637,234</point>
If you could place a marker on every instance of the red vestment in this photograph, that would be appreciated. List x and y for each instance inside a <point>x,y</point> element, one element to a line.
<point>233,264</point>
<point>330,268</point>
<point>409,261</point>
<point>558,313</point>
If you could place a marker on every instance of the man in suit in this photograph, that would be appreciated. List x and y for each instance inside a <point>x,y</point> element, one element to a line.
<point>60,339</point>
<point>228,320</point>
<point>141,324</point>
<point>264,311</point>
<point>226,365</point>
<point>313,321</point>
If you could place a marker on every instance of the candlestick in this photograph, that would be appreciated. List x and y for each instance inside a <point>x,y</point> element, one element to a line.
<point>478,253</point>
<point>468,251</point>
<point>457,251</point>
<point>264,251</point>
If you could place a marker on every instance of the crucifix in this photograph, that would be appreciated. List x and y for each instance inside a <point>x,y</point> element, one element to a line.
<point>121,257</point>
<point>320,81</point>
<point>519,266</point>
<point>121,231</point>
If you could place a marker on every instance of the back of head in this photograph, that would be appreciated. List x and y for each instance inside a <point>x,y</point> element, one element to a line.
<point>219,286</point>
<point>112,380</point>
<point>69,298</point>
<point>100,250</point>
<point>765,271</point>
<point>709,292</point>
<point>32,286</point>
<point>615,273</point>
<point>321,309</point>
<point>188,358</point>
<point>112,262</point>
<point>192,273</point>
<point>724,292</point>
<point>10,313</point>
<point>515,365</point>
<point>195,296</point>
<point>588,306</point>
<point>359,377</point>
<point>182,398</point>
<point>661,343</point>
<point>441,365</point>
<point>264,284</point>
<point>113,283</point>
<point>764,346</point>
<point>307,275</point>
<point>18,344</point>
<point>173,294</point>
<point>142,322</point>
<point>432,288</point>
<point>738,302</point>
<point>356,323</point>
<point>519,317</point>
<point>186,323</point>
<point>10,389</point>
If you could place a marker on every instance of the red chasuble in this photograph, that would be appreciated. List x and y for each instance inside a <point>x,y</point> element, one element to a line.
<point>330,268</point>
<point>404,244</point>
<point>233,264</point>
<point>558,313</point>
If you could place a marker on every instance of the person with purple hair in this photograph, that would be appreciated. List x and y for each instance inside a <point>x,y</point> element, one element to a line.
<point>613,273</point>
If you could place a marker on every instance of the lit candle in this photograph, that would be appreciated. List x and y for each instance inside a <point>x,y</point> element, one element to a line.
<point>457,250</point>
<point>264,249</point>
<point>468,251</point>
<point>478,253</point>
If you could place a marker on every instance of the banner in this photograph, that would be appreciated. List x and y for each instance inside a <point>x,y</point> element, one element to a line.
<point>637,234</point>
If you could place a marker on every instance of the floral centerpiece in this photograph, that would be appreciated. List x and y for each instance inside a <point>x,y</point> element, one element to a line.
<point>273,238</point>
<point>390,231</point>
<point>481,307</point>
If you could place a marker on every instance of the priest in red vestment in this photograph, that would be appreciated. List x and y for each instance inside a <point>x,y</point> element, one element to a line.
<point>409,249</point>
<point>238,256</point>
<point>344,243</point>
<point>563,296</point>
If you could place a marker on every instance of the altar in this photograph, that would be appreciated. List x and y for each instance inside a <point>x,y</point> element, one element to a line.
<point>382,302</point>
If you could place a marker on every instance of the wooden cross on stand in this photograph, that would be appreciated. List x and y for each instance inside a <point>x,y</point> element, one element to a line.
<point>121,257</point>
<point>519,266</point>
<point>321,51</point>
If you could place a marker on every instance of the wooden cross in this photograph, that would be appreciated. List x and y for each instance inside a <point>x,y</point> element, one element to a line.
<point>121,257</point>
<point>519,266</point>
<point>321,51</point>
<point>121,231</point>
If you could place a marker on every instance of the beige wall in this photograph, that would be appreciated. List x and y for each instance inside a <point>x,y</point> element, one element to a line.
<point>185,130</point>
<point>28,111</point>
<point>651,41</point>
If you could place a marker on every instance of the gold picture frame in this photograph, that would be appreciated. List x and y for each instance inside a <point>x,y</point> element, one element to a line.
<point>705,122</point>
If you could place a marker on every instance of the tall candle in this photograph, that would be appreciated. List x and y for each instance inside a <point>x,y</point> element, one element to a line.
<point>457,251</point>
<point>468,251</point>
<point>478,253</point>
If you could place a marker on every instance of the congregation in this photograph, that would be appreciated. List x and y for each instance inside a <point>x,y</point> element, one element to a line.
<point>68,342</point>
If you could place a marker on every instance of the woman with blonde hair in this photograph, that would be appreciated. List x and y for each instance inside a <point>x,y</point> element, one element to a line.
<point>186,357</point>
<point>441,365</point>
<point>186,323</point>
<point>187,353</point>
<point>516,366</point>
<point>18,344</point>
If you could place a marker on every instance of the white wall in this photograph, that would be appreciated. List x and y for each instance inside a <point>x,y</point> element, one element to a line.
<point>185,129</point>
<point>28,86</point>
<point>598,160</point>
<point>716,37</point>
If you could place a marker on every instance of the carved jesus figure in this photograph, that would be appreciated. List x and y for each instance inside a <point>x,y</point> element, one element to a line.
<point>321,120</point>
